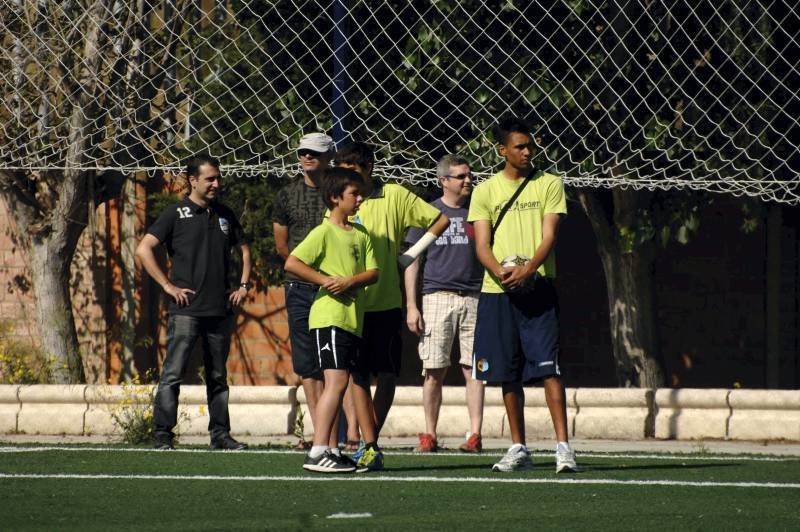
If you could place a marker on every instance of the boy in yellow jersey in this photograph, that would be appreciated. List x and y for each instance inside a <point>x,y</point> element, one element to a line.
<point>516,334</point>
<point>387,212</point>
<point>336,255</point>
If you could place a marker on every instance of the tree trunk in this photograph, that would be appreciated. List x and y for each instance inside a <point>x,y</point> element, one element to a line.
<point>631,296</point>
<point>50,263</point>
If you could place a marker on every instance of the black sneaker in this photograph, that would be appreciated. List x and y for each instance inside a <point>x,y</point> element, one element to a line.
<point>328,462</point>
<point>163,445</point>
<point>228,444</point>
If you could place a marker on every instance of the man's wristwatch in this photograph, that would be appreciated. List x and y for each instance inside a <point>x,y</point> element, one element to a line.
<point>246,286</point>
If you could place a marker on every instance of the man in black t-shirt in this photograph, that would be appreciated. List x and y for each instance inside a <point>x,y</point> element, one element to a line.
<point>199,233</point>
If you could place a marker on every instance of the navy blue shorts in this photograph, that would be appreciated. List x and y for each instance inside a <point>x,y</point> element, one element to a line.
<point>516,335</point>
<point>336,348</point>
<point>299,297</point>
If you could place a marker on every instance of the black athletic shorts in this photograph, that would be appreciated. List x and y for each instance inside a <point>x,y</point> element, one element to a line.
<point>336,348</point>
<point>381,347</point>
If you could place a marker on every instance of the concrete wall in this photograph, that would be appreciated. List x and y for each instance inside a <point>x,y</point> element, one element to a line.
<point>607,413</point>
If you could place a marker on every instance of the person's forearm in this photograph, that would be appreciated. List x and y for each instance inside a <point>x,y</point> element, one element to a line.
<point>247,264</point>
<point>365,278</point>
<point>148,260</point>
<point>410,276</point>
<point>303,271</point>
<point>541,254</point>
<point>487,259</point>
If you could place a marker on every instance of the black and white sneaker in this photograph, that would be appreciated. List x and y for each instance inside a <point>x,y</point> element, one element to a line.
<point>328,462</point>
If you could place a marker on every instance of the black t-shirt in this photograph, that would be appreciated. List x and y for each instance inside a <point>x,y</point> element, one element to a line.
<point>300,208</point>
<point>199,242</point>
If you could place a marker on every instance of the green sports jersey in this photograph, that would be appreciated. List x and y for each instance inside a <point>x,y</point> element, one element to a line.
<point>386,215</point>
<point>520,231</point>
<point>337,252</point>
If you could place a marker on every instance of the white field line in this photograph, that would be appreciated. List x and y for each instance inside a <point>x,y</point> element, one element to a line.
<point>381,478</point>
<point>390,452</point>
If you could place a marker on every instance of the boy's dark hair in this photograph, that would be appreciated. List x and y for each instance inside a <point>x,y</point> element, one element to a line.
<point>508,125</point>
<point>336,182</point>
<point>359,153</point>
<point>194,163</point>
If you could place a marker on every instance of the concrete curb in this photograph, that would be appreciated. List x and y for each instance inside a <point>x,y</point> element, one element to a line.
<point>593,413</point>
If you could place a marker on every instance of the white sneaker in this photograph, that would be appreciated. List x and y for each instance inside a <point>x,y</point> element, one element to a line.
<point>514,460</point>
<point>565,460</point>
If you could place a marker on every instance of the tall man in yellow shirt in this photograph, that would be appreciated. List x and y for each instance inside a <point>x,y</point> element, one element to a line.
<point>516,335</point>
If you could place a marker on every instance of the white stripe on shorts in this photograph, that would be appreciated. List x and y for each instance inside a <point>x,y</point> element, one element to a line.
<point>333,345</point>
<point>319,352</point>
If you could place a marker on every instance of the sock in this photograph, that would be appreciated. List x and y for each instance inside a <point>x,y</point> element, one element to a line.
<point>562,445</point>
<point>516,448</point>
<point>317,451</point>
<point>336,451</point>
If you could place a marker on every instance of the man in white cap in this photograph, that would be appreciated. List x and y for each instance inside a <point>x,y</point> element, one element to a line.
<point>299,207</point>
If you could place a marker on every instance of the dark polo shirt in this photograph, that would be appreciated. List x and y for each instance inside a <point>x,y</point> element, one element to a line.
<point>199,242</point>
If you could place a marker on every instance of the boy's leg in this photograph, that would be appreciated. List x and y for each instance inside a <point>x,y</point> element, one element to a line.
<point>380,355</point>
<point>432,398</point>
<point>514,400</point>
<point>336,381</point>
<point>365,412</point>
<point>385,386</point>
<point>349,408</point>
<point>555,396</point>
<point>475,392</point>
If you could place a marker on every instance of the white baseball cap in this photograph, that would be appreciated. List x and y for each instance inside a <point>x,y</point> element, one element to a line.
<point>319,142</point>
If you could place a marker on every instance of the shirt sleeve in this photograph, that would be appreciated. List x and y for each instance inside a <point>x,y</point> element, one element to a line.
<point>417,212</point>
<point>478,208</point>
<point>164,224</point>
<point>556,200</point>
<point>370,262</point>
<point>311,250</point>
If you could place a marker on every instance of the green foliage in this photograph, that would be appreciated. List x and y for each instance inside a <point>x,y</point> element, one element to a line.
<point>21,362</point>
<point>299,427</point>
<point>132,416</point>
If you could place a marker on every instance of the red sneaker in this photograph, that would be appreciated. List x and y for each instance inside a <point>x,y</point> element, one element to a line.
<point>472,445</point>
<point>427,444</point>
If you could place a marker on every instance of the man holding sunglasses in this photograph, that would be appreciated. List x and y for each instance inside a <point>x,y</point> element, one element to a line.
<point>299,207</point>
<point>451,286</point>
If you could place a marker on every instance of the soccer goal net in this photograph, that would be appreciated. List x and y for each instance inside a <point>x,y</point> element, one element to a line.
<point>697,94</point>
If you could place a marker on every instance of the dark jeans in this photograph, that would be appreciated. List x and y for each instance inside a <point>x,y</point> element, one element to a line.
<point>182,333</point>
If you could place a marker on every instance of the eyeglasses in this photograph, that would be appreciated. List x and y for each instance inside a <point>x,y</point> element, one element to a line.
<point>309,153</point>
<point>460,177</point>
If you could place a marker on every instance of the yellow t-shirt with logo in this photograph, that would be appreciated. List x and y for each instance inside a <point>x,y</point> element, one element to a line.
<point>337,252</point>
<point>520,231</point>
<point>386,214</point>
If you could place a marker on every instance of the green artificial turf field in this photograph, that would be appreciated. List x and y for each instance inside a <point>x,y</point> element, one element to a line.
<point>119,488</point>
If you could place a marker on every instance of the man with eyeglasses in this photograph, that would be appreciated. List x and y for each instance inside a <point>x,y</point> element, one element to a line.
<point>299,207</point>
<point>451,285</point>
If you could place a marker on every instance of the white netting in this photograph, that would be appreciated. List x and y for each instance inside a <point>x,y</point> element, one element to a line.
<point>697,94</point>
